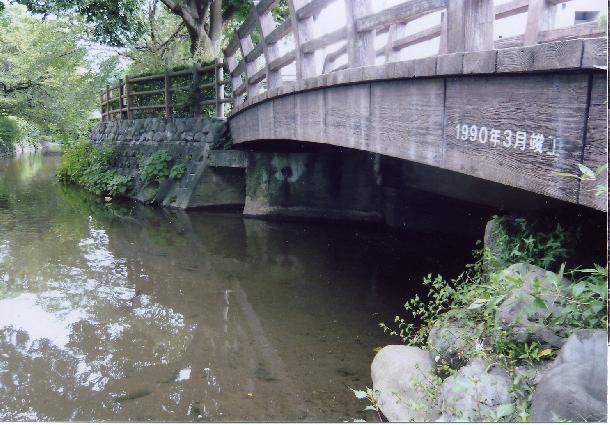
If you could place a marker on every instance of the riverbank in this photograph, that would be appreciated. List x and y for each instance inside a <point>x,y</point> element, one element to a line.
<point>515,337</point>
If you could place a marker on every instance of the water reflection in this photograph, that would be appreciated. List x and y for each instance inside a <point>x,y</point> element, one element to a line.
<point>124,312</point>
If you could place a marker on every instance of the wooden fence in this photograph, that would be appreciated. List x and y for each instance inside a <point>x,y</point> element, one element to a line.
<point>128,100</point>
<point>463,26</point>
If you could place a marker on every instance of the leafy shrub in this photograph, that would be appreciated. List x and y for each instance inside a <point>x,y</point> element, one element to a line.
<point>9,131</point>
<point>477,292</point>
<point>516,242</point>
<point>119,185</point>
<point>177,172</point>
<point>90,167</point>
<point>156,167</point>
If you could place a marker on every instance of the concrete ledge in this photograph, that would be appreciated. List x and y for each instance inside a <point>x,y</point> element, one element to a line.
<point>451,64</point>
<point>543,57</point>
<point>232,159</point>
<point>480,62</point>
<point>595,52</point>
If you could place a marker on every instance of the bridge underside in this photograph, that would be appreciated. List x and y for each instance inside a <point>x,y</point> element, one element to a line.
<point>518,130</point>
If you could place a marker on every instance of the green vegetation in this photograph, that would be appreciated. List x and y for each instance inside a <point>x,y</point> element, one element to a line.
<point>157,28</point>
<point>177,172</point>
<point>587,174</point>
<point>48,83</point>
<point>9,131</point>
<point>156,167</point>
<point>90,167</point>
<point>476,294</point>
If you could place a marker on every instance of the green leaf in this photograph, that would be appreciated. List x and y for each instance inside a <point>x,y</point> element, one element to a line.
<point>478,303</point>
<point>578,289</point>
<point>539,302</point>
<point>545,353</point>
<point>567,175</point>
<point>504,410</point>
<point>586,171</point>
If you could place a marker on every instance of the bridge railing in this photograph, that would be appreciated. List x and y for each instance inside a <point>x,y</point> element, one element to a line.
<point>258,60</point>
<point>186,92</point>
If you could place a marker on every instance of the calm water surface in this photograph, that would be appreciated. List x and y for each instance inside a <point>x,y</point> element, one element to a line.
<point>125,312</point>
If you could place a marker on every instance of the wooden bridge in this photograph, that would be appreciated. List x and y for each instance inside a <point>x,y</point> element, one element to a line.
<point>516,110</point>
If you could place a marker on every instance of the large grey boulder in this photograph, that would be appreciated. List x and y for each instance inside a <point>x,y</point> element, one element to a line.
<point>451,341</point>
<point>475,393</point>
<point>575,387</point>
<point>400,375</point>
<point>522,314</point>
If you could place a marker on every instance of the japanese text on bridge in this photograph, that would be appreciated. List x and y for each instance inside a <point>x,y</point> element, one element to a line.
<point>509,139</point>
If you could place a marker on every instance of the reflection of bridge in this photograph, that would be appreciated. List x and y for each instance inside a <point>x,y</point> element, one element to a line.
<point>511,111</point>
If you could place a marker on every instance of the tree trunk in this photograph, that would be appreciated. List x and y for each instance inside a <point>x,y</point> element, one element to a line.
<point>202,45</point>
<point>204,22</point>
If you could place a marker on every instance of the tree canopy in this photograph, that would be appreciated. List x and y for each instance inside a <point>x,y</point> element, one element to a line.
<point>46,79</point>
<point>121,22</point>
<point>112,22</point>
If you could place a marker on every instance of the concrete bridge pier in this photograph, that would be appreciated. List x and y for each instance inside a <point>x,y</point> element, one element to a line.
<point>348,184</point>
<point>329,184</point>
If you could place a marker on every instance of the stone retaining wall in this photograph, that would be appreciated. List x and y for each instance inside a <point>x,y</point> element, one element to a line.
<point>214,175</point>
<point>155,130</point>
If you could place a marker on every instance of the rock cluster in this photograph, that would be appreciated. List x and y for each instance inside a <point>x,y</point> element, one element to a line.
<point>575,386</point>
<point>537,298</point>
<point>475,393</point>
<point>155,130</point>
<point>400,374</point>
<point>409,385</point>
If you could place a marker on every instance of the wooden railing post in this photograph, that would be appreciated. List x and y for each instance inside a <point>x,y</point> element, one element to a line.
<point>535,10</point>
<point>236,80</point>
<point>128,99</point>
<point>246,46</point>
<point>121,93</point>
<point>168,100</point>
<point>219,88</point>
<point>396,31</point>
<point>360,45</point>
<point>196,90</point>
<point>108,104</point>
<point>302,30</point>
<point>442,45</point>
<point>266,25</point>
<point>102,105</point>
<point>470,25</point>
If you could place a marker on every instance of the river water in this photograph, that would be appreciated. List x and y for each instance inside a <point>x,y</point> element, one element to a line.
<point>126,312</point>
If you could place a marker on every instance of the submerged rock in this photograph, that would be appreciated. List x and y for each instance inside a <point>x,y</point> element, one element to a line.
<point>475,393</point>
<point>526,308</point>
<point>401,375</point>
<point>575,387</point>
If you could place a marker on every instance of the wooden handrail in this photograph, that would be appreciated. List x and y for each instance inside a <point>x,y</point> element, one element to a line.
<point>129,98</point>
<point>465,26</point>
